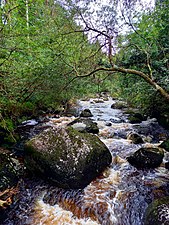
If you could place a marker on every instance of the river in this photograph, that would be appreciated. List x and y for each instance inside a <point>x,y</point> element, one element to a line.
<point>119,196</point>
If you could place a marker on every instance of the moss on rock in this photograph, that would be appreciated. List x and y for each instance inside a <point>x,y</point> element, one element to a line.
<point>157,212</point>
<point>67,157</point>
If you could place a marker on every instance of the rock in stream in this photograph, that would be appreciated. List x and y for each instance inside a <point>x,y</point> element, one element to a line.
<point>67,157</point>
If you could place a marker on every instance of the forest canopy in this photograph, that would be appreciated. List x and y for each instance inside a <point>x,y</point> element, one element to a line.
<point>128,34</point>
<point>53,51</point>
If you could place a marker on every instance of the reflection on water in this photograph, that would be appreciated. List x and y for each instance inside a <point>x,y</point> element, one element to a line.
<point>118,197</point>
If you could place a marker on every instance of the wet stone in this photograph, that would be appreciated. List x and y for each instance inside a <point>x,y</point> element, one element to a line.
<point>146,158</point>
<point>119,105</point>
<point>67,157</point>
<point>10,171</point>
<point>86,113</point>
<point>135,118</point>
<point>157,212</point>
<point>99,101</point>
<point>84,125</point>
<point>135,138</point>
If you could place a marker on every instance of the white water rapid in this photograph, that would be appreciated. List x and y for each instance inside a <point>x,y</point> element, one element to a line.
<point>118,197</point>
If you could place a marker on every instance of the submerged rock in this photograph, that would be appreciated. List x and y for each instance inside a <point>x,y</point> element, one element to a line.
<point>146,158</point>
<point>67,157</point>
<point>108,124</point>
<point>157,212</point>
<point>116,120</point>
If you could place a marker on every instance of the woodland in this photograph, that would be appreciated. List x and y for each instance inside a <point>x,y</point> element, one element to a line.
<point>54,52</point>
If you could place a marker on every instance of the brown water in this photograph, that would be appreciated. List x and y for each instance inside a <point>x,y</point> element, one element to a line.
<point>118,197</point>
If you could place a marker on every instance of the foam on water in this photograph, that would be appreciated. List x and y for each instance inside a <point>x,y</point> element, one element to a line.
<point>54,215</point>
<point>119,196</point>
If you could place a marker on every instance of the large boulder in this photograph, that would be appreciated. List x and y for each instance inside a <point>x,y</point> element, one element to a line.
<point>67,157</point>
<point>157,212</point>
<point>146,158</point>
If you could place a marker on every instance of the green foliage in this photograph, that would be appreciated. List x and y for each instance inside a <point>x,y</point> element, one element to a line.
<point>146,50</point>
<point>42,50</point>
<point>7,131</point>
<point>39,56</point>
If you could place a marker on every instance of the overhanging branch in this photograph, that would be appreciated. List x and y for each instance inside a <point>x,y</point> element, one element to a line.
<point>117,69</point>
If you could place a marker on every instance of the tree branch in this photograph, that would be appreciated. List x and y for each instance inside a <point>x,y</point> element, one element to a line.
<point>115,68</point>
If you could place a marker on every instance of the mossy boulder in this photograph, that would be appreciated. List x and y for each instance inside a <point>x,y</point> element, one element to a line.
<point>85,125</point>
<point>157,212</point>
<point>67,157</point>
<point>86,113</point>
<point>146,158</point>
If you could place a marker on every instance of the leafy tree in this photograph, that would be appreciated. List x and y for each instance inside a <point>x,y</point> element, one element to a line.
<point>147,50</point>
<point>46,45</point>
<point>142,45</point>
<point>39,52</point>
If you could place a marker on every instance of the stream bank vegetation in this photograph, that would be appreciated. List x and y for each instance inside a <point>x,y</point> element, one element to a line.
<point>52,52</point>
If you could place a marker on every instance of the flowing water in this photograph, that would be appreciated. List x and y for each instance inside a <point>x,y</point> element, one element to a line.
<point>118,197</point>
